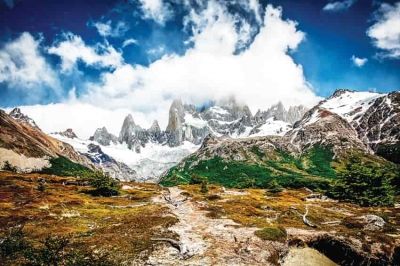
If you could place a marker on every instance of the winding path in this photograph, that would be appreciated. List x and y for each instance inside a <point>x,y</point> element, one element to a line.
<point>206,241</point>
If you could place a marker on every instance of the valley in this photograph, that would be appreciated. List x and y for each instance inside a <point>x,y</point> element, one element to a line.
<point>148,224</point>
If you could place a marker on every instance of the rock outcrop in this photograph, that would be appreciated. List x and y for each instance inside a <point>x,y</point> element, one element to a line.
<point>68,133</point>
<point>103,137</point>
<point>23,118</point>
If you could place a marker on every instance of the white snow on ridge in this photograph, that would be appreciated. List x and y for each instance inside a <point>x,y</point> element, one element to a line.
<point>273,127</point>
<point>193,121</point>
<point>350,104</point>
<point>149,164</point>
<point>219,110</point>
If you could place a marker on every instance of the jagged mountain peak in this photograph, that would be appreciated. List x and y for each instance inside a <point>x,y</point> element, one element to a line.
<point>17,114</point>
<point>103,137</point>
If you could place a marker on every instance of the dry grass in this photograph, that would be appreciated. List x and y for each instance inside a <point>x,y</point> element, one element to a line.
<point>121,226</point>
<point>255,207</point>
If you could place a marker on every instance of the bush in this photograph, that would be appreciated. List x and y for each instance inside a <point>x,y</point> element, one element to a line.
<point>12,244</point>
<point>365,183</point>
<point>104,184</point>
<point>52,252</point>
<point>204,187</point>
<point>272,234</point>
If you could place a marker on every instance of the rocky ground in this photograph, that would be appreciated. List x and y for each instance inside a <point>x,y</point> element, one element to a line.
<point>151,225</point>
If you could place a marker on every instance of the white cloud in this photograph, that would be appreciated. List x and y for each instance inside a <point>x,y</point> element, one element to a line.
<point>73,48</point>
<point>359,62</point>
<point>385,33</point>
<point>338,6</point>
<point>156,10</point>
<point>23,67</point>
<point>261,75</point>
<point>106,29</point>
<point>129,42</point>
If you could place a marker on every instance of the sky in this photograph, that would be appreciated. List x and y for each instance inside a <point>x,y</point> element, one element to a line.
<point>85,64</point>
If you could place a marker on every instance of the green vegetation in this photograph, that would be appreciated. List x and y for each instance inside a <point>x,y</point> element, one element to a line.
<point>364,182</point>
<point>312,170</point>
<point>272,234</point>
<point>103,184</point>
<point>62,166</point>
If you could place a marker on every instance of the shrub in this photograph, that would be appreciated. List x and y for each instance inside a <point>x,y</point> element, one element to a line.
<point>365,183</point>
<point>204,187</point>
<point>272,234</point>
<point>52,252</point>
<point>12,244</point>
<point>104,185</point>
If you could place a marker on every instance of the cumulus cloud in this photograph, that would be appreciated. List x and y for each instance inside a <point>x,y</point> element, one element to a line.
<point>338,6</point>
<point>23,67</point>
<point>358,62</point>
<point>385,32</point>
<point>129,42</point>
<point>261,75</point>
<point>157,10</point>
<point>107,30</point>
<point>216,66</point>
<point>73,49</point>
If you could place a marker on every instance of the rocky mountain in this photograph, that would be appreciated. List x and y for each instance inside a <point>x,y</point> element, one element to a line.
<point>109,165</point>
<point>152,151</point>
<point>22,118</point>
<point>27,148</point>
<point>68,133</point>
<point>278,112</point>
<point>374,116</point>
<point>347,125</point>
<point>103,137</point>
<point>191,124</point>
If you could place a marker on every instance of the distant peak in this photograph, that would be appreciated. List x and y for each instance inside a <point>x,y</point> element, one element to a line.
<point>339,92</point>
<point>69,133</point>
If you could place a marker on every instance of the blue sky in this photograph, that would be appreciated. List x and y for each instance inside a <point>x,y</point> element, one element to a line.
<point>132,39</point>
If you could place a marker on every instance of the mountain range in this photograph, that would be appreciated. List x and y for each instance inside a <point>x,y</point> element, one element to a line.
<point>347,122</point>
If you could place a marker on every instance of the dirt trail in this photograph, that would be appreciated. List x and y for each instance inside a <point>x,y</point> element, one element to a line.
<point>206,241</point>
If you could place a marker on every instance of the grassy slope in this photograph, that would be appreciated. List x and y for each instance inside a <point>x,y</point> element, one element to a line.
<point>121,227</point>
<point>313,169</point>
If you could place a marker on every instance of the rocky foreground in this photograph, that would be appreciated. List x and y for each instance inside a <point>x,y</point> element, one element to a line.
<point>188,225</point>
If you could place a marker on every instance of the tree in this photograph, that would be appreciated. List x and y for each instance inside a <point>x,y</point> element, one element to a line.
<point>364,183</point>
<point>104,184</point>
<point>204,187</point>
